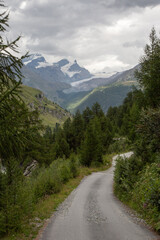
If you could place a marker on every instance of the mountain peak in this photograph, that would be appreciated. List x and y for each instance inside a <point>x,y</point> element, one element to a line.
<point>33,60</point>
<point>62,62</point>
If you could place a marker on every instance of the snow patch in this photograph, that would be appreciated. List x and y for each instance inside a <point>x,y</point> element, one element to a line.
<point>26,62</point>
<point>65,70</point>
<point>77,83</point>
<point>43,64</point>
<point>31,58</point>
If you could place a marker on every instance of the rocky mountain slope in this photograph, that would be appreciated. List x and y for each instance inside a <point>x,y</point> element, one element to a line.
<point>94,82</point>
<point>50,112</point>
<point>51,78</point>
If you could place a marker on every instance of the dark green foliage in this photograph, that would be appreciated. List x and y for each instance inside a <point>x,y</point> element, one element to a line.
<point>148,75</point>
<point>137,179</point>
<point>87,116</point>
<point>17,128</point>
<point>92,149</point>
<point>97,110</point>
<point>105,96</point>
<point>120,145</point>
<point>18,198</point>
<point>16,122</point>
<point>74,165</point>
<point>124,118</point>
<point>149,128</point>
<point>15,201</point>
<point>61,147</point>
<point>78,129</point>
<point>125,175</point>
<point>89,132</point>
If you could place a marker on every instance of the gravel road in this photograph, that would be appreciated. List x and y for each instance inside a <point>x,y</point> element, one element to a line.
<point>92,212</point>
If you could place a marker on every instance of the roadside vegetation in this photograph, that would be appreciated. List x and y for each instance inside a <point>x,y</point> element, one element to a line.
<point>83,144</point>
<point>137,180</point>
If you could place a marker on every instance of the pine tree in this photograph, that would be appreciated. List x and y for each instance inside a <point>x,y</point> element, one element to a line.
<point>87,116</point>
<point>17,125</point>
<point>149,73</point>
<point>97,110</point>
<point>91,148</point>
<point>15,120</point>
<point>78,130</point>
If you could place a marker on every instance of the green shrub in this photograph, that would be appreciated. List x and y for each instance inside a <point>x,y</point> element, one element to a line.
<point>64,171</point>
<point>139,185</point>
<point>119,145</point>
<point>126,173</point>
<point>47,182</point>
<point>15,203</point>
<point>146,194</point>
<point>18,199</point>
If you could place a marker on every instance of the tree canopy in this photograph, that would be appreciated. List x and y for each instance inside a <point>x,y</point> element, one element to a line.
<point>149,73</point>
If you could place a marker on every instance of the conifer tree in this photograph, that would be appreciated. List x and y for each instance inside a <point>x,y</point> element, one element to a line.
<point>78,129</point>
<point>16,122</point>
<point>148,75</point>
<point>87,115</point>
<point>17,127</point>
<point>91,148</point>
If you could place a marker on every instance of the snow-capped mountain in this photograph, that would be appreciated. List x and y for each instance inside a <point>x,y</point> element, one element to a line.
<point>63,71</point>
<point>65,82</point>
<point>51,78</point>
<point>35,61</point>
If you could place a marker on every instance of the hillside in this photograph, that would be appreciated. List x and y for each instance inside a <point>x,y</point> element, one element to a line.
<point>50,113</point>
<point>111,91</point>
<point>106,96</point>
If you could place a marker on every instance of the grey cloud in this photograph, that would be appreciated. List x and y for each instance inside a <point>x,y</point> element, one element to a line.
<point>129,4</point>
<point>78,27</point>
<point>137,44</point>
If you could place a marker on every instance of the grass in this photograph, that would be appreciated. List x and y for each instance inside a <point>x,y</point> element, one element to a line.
<point>29,94</point>
<point>49,120</point>
<point>45,208</point>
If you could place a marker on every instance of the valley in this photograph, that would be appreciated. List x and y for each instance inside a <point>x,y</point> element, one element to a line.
<point>74,87</point>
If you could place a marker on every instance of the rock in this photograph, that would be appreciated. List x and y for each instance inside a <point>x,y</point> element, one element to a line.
<point>30,168</point>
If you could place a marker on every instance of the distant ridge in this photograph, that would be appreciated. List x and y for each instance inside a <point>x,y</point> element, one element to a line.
<point>74,87</point>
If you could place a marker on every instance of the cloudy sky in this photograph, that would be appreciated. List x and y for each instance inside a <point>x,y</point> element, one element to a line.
<point>103,35</point>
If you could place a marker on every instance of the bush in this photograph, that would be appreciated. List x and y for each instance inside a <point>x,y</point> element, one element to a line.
<point>139,185</point>
<point>146,194</point>
<point>18,199</point>
<point>47,182</point>
<point>64,171</point>
<point>119,145</point>
<point>126,171</point>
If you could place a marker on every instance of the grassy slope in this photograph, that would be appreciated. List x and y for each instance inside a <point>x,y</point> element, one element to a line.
<point>110,95</point>
<point>36,98</point>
